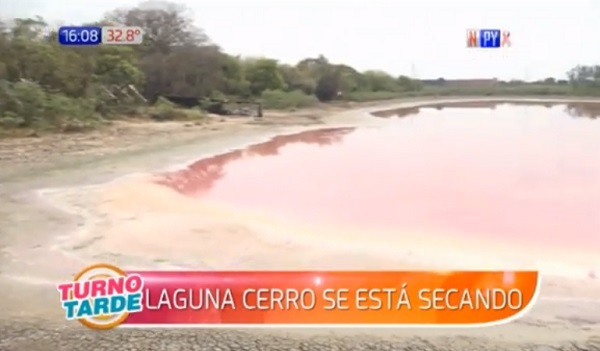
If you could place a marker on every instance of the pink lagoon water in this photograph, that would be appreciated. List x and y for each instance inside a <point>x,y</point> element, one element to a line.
<point>516,173</point>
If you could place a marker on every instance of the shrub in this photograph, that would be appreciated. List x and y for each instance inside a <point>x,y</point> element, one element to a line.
<point>28,105</point>
<point>277,99</point>
<point>164,110</point>
<point>10,120</point>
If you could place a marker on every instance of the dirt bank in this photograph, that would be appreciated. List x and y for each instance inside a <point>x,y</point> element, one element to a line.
<point>21,155</point>
<point>57,219</point>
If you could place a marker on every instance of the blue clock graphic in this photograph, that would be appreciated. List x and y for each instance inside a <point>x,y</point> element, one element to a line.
<point>77,36</point>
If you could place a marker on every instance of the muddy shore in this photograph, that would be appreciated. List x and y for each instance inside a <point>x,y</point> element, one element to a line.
<point>51,224</point>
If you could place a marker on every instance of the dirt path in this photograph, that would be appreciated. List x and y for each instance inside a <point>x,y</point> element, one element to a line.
<point>34,231</point>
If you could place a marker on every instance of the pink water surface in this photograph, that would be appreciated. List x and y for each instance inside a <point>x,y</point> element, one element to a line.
<point>524,174</point>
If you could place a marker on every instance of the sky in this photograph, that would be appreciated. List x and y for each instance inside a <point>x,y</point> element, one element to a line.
<point>423,39</point>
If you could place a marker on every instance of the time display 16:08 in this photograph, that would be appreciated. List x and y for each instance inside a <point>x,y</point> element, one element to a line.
<point>88,35</point>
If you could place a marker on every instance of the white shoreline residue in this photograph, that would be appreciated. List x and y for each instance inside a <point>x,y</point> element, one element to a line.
<point>76,200</point>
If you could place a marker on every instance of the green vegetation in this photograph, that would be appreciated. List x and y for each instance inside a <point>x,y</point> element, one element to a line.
<point>164,110</point>
<point>46,87</point>
<point>279,99</point>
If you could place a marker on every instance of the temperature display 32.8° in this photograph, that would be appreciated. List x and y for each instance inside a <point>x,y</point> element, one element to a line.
<point>90,35</point>
<point>122,35</point>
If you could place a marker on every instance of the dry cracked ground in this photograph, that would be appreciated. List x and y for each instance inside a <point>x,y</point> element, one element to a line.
<point>33,337</point>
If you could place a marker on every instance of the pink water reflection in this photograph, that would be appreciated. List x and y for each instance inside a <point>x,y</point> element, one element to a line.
<point>520,173</point>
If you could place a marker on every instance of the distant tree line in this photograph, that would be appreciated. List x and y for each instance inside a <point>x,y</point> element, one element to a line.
<point>43,84</point>
<point>41,81</point>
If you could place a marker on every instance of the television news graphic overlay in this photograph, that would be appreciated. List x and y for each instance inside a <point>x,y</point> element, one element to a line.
<point>122,35</point>
<point>104,297</point>
<point>101,296</point>
<point>79,36</point>
<point>488,38</point>
<point>83,36</point>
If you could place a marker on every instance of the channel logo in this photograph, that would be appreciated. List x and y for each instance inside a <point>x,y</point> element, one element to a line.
<point>488,38</point>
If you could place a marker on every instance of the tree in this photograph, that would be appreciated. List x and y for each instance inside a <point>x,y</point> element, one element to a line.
<point>165,25</point>
<point>176,57</point>
<point>314,67</point>
<point>263,74</point>
<point>380,81</point>
<point>117,65</point>
<point>407,84</point>
<point>328,86</point>
<point>234,76</point>
<point>295,79</point>
<point>585,77</point>
<point>350,79</point>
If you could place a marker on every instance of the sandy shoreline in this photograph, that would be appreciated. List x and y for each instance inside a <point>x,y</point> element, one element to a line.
<point>69,223</point>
